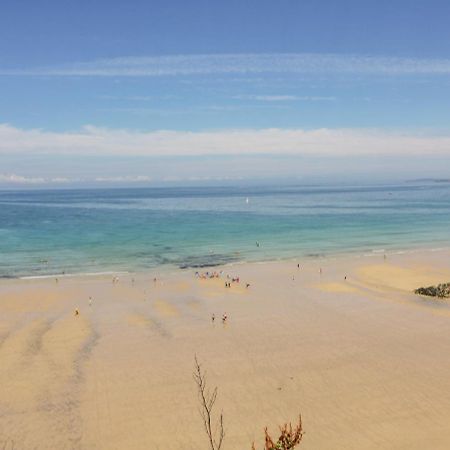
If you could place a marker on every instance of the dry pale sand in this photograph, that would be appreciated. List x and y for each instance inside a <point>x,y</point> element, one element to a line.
<point>363,360</point>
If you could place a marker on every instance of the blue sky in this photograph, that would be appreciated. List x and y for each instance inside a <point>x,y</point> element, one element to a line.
<point>121,86</point>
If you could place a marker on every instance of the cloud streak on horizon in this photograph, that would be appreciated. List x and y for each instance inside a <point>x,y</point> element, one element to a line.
<point>342,142</point>
<point>209,64</point>
<point>15,179</point>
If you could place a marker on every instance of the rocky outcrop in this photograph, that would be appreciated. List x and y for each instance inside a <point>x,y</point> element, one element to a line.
<point>441,290</point>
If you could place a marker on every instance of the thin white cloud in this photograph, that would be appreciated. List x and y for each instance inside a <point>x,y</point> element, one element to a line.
<point>92,140</point>
<point>15,179</point>
<point>273,98</point>
<point>191,110</point>
<point>138,98</point>
<point>284,98</point>
<point>19,179</point>
<point>243,64</point>
<point>124,179</point>
<point>60,180</point>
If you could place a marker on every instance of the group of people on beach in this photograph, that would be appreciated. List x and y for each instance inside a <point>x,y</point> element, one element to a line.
<point>201,275</point>
<point>233,280</point>
<point>206,275</point>
<point>224,318</point>
<point>211,275</point>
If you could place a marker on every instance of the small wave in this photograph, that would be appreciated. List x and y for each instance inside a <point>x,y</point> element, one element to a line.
<point>68,275</point>
<point>315,255</point>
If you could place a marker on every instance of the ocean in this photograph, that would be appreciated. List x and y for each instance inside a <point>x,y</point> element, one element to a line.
<point>46,232</point>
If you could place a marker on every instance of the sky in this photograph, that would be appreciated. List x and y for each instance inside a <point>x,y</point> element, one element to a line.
<point>152,92</point>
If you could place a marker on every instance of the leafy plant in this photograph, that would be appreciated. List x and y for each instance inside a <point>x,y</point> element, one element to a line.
<point>290,437</point>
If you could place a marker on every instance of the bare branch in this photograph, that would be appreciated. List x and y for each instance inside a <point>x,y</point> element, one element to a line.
<point>207,401</point>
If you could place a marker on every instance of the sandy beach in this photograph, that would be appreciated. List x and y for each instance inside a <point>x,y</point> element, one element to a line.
<point>363,359</point>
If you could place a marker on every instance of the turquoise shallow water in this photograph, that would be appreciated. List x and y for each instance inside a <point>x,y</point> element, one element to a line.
<point>89,231</point>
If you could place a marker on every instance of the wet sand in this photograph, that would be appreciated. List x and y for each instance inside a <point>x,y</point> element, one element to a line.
<point>364,360</point>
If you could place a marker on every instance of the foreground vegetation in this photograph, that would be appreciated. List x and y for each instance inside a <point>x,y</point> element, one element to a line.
<point>441,290</point>
<point>289,438</point>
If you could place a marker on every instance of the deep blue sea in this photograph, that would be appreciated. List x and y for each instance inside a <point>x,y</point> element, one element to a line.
<point>98,230</point>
